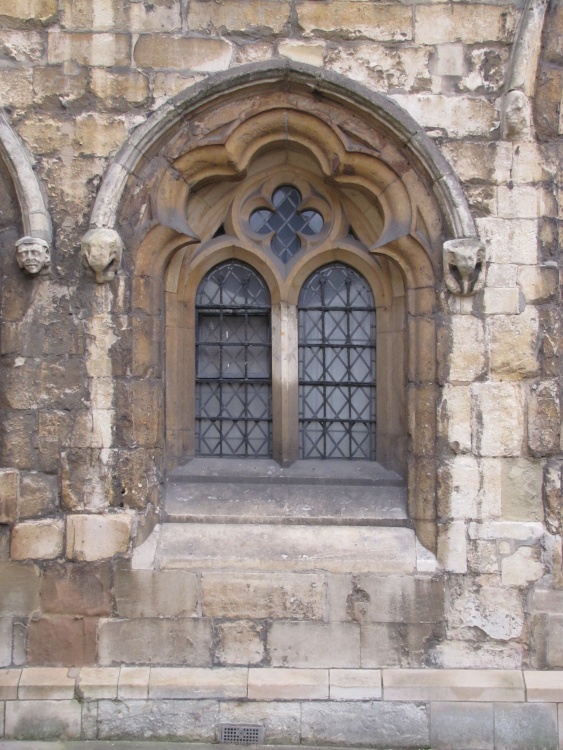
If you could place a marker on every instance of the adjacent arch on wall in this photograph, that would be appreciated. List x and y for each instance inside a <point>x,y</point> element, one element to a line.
<point>35,216</point>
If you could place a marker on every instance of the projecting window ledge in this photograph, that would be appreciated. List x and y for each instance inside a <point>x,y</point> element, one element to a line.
<point>261,491</point>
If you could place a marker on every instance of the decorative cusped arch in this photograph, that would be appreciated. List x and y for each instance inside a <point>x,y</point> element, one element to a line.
<point>35,216</point>
<point>180,191</point>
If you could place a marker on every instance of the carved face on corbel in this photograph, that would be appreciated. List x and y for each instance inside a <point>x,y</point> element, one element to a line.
<point>101,251</point>
<point>32,254</point>
<point>464,266</point>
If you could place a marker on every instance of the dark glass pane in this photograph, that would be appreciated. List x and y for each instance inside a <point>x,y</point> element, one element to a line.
<point>337,365</point>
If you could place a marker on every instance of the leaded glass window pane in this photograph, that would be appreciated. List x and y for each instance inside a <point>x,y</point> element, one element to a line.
<point>233,363</point>
<point>337,365</point>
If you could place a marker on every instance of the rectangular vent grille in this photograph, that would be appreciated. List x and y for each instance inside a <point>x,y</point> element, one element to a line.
<point>241,734</point>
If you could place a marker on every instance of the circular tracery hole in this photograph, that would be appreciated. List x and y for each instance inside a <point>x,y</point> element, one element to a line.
<point>286,222</point>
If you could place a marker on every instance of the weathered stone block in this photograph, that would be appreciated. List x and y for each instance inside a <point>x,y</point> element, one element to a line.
<point>76,589</point>
<point>17,88</point>
<point>365,724</point>
<point>281,721</point>
<point>95,537</point>
<point>138,477</point>
<point>9,495</point>
<point>311,644</point>
<point>455,417</point>
<point>467,725</point>
<point>95,683</point>
<point>98,134</point>
<point>513,341</point>
<point>67,641</point>
<point>43,720</point>
<point>538,284</point>
<point>498,612</point>
<point>191,721</point>
<point>383,23</point>
<point>510,241</point>
<point>253,16</point>
<point>498,419</point>
<point>37,540</point>
<point>133,683</point>
<point>198,683</point>
<point>459,116</point>
<point>4,543</point>
<point>18,442</point>
<point>452,546</point>
<point>355,684</point>
<point>522,568</point>
<point>543,687</point>
<point>521,489</point>
<point>544,418</point>
<point>5,641</point>
<point>188,53</point>
<point>9,679</point>
<point>151,593</point>
<point>381,646</point>
<point>39,494</point>
<point>139,403</point>
<point>308,53</point>
<point>155,641</point>
<point>453,685</point>
<point>240,642</point>
<point>288,596</point>
<point>466,360</point>
<point>99,15</point>
<point>555,641</point>
<point>19,589</point>
<point>46,683</point>
<point>287,684</point>
<point>468,24</point>
<point>459,485</point>
<point>42,11</point>
<point>502,301</point>
<point>525,726</point>
<point>100,50</point>
<point>22,46</point>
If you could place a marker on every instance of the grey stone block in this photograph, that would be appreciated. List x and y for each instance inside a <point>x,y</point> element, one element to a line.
<point>155,593</point>
<point>462,725</point>
<point>526,726</point>
<point>313,644</point>
<point>371,724</point>
<point>281,721</point>
<point>191,720</point>
<point>43,720</point>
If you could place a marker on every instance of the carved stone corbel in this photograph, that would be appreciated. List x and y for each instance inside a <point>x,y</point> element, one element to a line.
<point>464,266</point>
<point>32,254</point>
<point>101,251</point>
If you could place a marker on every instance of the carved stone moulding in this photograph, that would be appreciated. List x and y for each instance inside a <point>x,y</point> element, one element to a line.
<point>101,251</point>
<point>464,266</point>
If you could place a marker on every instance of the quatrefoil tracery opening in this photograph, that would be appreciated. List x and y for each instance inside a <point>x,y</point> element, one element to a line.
<point>286,222</point>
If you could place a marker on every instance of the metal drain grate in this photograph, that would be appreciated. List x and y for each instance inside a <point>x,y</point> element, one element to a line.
<point>241,734</point>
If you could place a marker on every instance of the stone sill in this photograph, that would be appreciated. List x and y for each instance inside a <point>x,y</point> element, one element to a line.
<point>281,684</point>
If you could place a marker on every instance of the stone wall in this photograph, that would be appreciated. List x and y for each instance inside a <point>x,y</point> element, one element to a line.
<point>91,575</point>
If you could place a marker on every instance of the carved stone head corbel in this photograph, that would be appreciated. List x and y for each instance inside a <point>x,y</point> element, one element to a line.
<point>464,266</point>
<point>32,254</point>
<point>101,251</point>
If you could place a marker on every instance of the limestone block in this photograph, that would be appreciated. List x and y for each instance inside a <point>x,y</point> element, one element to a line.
<point>44,11</point>
<point>496,611</point>
<point>255,16</point>
<point>522,490</point>
<point>514,344</point>
<point>39,495</point>
<point>449,60</point>
<point>99,135</point>
<point>459,485</point>
<point>522,726</point>
<point>37,540</point>
<point>239,642</point>
<point>544,419</point>
<point>543,687</point>
<point>155,641</point>
<point>355,684</point>
<point>422,346</point>
<point>152,593</point>
<point>538,284</point>
<point>381,646</point>
<point>95,537</point>
<point>518,201</point>
<point>421,400</point>
<point>498,419</point>
<point>9,680</point>
<point>384,23</point>
<point>118,89</point>
<point>458,116</point>
<point>311,644</point>
<point>16,448</point>
<point>454,654</point>
<point>22,46</point>
<point>484,161</point>
<point>161,16</point>
<point>502,301</point>
<point>483,557</point>
<point>46,683</point>
<point>452,546</point>
<point>311,53</point>
<point>385,599</point>
<point>19,589</point>
<point>467,355</point>
<point>510,241</point>
<point>6,624</point>
<point>555,641</point>
<point>509,530</point>
<point>287,684</point>
<point>43,720</point>
<point>9,495</point>
<point>4,542</point>
<point>281,721</point>
<point>17,88</point>
<point>470,725</point>
<point>455,417</point>
<point>188,53</point>
<point>67,641</point>
<point>370,724</point>
<point>166,85</point>
<point>503,275</point>
<point>95,683</point>
<point>93,15</point>
<point>453,685</point>
<point>269,595</point>
<point>522,568</point>
<point>529,163</point>
<point>218,682</point>
<point>190,721</point>
<point>133,683</point>
<point>66,83</point>
<point>469,24</point>
<point>140,403</point>
<point>100,50</point>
